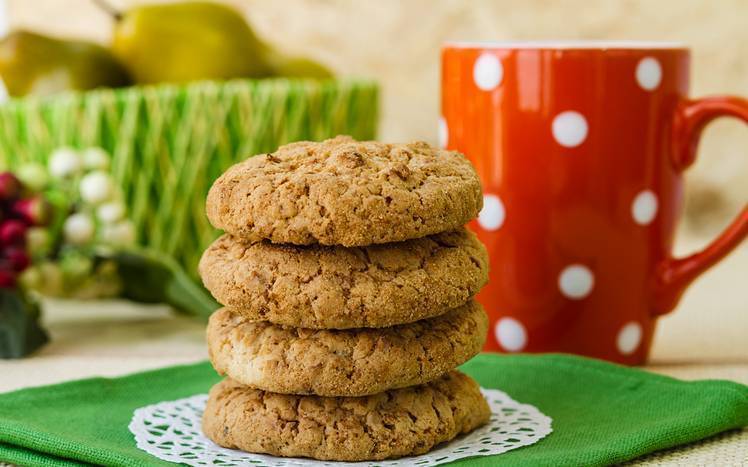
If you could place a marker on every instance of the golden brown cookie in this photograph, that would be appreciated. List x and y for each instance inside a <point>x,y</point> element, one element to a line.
<point>395,423</point>
<point>345,192</point>
<point>322,287</point>
<point>351,362</point>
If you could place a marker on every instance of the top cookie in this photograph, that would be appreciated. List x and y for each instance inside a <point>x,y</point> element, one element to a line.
<point>345,192</point>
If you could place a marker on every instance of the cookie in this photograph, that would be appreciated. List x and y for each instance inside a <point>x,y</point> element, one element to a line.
<point>345,192</point>
<point>323,287</point>
<point>352,362</point>
<point>395,423</point>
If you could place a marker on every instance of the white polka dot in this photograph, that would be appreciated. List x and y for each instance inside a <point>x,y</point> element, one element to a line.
<point>648,73</point>
<point>629,338</point>
<point>492,215</point>
<point>443,133</point>
<point>511,335</point>
<point>644,207</point>
<point>569,129</point>
<point>487,72</point>
<point>576,281</point>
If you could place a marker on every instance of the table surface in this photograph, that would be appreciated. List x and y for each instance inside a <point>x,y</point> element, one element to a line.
<point>705,338</point>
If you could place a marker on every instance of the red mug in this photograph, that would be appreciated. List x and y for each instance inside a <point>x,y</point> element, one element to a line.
<point>581,150</point>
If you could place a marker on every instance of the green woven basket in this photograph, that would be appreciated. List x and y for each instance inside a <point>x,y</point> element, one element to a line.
<point>169,143</point>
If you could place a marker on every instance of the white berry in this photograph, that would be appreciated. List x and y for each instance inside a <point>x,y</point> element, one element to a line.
<point>110,212</point>
<point>79,229</point>
<point>121,233</point>
<point>96,187</point>
<point>95,159</point>
<point>37,238</point>
<point>34,176</point>
<point>64,162</point>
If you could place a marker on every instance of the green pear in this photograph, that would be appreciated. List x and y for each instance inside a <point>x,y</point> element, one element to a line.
<point>33,64</point>
<point>297,67</point>
<point>181,42</point>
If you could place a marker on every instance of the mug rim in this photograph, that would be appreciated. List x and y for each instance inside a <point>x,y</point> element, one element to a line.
<point>598,45</point>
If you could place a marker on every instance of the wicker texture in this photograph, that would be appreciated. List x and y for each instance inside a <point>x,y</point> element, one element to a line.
<point>169,143</point>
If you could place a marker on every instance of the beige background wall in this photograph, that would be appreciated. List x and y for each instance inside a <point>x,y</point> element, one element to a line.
<point>397,42</point>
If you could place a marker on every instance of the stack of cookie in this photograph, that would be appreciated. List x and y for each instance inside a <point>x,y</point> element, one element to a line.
<point>348,281</point>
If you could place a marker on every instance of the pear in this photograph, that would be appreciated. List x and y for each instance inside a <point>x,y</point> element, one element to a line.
<point>297,67</point>
<point>34,64</point>
<point>181,42</point>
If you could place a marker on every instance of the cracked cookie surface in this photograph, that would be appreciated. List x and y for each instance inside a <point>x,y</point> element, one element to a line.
<point>352,362</point>
<point>322,287</point>
<point>392,424</point>
<point>345,192</point>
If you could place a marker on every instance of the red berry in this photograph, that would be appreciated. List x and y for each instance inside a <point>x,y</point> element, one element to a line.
<point>7,279</point>
<point>17,258</point>
<point>10,186</point>
<point>12,232</point>
<point>34,210</point>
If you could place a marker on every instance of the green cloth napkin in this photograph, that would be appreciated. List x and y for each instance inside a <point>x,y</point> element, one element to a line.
<point>602,413</point>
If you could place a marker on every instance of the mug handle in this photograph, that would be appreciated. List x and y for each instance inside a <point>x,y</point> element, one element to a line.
<point>675,274</point>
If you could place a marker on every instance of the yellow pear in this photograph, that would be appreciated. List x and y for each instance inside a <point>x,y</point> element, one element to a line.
<point>180,42</point>
<point>34,64</point>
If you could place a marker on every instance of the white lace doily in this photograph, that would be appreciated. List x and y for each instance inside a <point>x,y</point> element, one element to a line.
<point>171,431</point>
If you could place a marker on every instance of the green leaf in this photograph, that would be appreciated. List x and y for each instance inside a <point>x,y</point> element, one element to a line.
<point>20,331</point>
<point>151,277</point>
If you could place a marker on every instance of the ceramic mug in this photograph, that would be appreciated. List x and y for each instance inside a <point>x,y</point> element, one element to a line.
<point>581,150</point>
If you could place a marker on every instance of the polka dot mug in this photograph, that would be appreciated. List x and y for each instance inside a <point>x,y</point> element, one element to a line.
<point>581,150</point>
